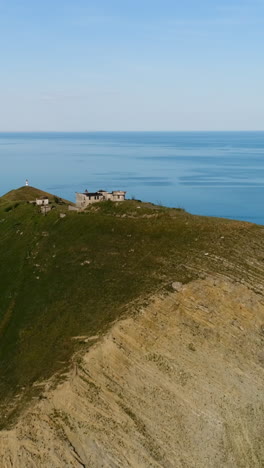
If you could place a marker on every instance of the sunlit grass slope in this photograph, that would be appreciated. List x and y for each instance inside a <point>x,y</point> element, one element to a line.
<point>27,194</point>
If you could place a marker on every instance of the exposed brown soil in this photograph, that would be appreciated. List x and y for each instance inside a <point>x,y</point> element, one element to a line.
<point>180,384</point>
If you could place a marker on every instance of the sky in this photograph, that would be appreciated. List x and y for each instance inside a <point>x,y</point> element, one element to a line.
<point>142,65</point>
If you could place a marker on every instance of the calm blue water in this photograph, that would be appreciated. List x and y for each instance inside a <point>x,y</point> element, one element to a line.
<point>216,174</point>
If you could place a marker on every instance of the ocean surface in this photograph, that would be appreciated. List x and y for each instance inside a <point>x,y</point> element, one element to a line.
<point>207,173</point>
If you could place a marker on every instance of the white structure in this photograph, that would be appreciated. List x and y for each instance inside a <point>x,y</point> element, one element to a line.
<point>45,209</point>
<point>43,201</point>
<point>26,183</point>
<point>87,198</point>
<point>73,208</point>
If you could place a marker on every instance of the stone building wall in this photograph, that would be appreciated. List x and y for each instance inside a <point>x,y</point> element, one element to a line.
<point>88,198</point>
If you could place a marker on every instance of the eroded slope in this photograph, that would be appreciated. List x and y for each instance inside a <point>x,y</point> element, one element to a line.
<point>178,385</point>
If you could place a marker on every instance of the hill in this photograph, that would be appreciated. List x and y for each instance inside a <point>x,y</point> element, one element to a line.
<point>178,385</point>
<point>68,280</point>
<point>27,194</point>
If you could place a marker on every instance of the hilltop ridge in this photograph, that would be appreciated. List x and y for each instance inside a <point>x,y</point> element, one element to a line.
<point>26,193</point>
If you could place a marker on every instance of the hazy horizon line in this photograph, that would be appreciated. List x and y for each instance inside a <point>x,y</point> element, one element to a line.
<point>128,131</point>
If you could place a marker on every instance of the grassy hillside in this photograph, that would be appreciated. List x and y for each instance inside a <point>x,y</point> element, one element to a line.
<point>65,277</point>
<point>27,194</point>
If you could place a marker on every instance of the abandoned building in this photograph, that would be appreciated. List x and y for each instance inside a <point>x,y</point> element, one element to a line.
<point>87,198</point>
<point>43,204</point>
<point>42,201</point>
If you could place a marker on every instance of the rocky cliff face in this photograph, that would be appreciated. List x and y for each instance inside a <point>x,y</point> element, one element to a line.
<point>180,384</point>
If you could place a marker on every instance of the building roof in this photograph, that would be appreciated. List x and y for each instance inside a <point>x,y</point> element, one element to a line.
<point>93,194</point>
<point>118,191</point>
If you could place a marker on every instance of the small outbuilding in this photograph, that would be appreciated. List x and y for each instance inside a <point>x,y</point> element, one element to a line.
<point>42,201</point>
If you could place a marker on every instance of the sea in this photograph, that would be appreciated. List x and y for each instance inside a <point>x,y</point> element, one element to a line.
<point>206,173</point>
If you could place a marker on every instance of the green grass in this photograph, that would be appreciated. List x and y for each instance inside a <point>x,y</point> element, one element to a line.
<point>50,293</point>
<point>27,194</point>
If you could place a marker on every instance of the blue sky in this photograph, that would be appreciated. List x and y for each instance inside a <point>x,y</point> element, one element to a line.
<point>131,65</point>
